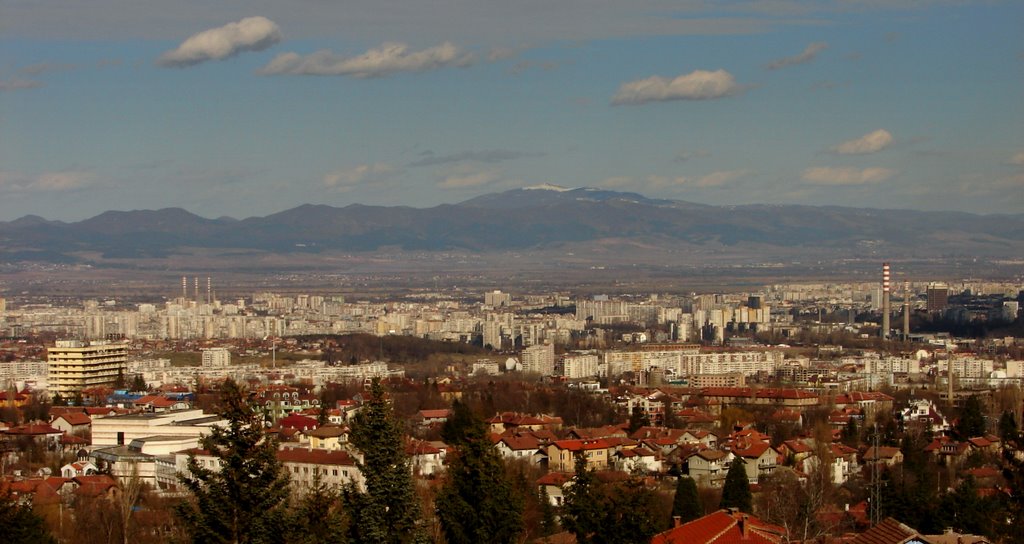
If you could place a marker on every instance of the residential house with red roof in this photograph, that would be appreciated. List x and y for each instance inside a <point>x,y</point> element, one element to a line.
<point>562,454</point>
<point>728,526</point>
<point>708,467</point>
<point>759,459</point>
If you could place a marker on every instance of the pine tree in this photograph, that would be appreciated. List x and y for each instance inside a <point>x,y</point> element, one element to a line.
<point>319,517</point>
<point>600,513</point>
<point>20,525</point>
<point>637,419</point>
<point>972,419</point>
<point>387,510</point>
<point>1008,427</point>
<point>736,491</point>
<point>686,504</point>
<point>581,513</point>
<point>242,501</point>
<point>478,501</point>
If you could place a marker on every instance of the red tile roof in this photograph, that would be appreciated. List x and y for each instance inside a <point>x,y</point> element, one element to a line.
<point>723,527</point>
<point>315,456</point>
<point>889,531</point>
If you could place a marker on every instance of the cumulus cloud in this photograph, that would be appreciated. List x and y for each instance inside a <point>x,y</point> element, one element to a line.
<point>697,85</point>
<point>871,142</point>
<point>249,34</point>
<point>19,84</point>
<point>489,156</point>
<point>472,179</point>
<point>828,175</point>
<point>346,179</point>
<point>807,55</point>
<point>45,182</point>
<point>387,59</point>
<point>1018,158</point>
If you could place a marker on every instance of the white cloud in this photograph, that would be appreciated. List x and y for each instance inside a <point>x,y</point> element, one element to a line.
<point>19,84</point>
<point>1018,158</point>
<point>45,182</point>
<point>475,179</point>
<point>807,55</point>
<point>828,175</point>
<point>249,34</point>
<point>387,59</point>
<point>871,142</point>
<point>697,85</point>
<point>344,180</point>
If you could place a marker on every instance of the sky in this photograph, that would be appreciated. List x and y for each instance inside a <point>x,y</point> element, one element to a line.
<point>247,108</point>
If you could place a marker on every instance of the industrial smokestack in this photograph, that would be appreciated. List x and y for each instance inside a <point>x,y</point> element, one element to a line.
<point>184,288</point>
<point>197,288</point>
<point>885,300</point>
<point>209,288</point>
<point>906,310</point>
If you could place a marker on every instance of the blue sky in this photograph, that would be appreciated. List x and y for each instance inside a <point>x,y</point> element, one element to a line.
<point>231,110</point>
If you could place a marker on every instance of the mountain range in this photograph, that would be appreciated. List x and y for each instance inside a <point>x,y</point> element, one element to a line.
<point>533,218</point>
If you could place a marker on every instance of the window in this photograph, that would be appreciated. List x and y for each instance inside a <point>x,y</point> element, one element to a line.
<point>335,472</point>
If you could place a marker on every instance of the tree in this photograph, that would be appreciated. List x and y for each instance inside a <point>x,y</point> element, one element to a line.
<point>386,511</point>
<point>319,517</point>
<point>637,419</point>
<point>736,491</point>
<point>605,513</point>
<point>1008,427</point>
<point>477,502</point>
<point>20,525</point>
<point>686,504</point>
<point>139,383</point>
<point>244,500</point>
<point>972,420</point>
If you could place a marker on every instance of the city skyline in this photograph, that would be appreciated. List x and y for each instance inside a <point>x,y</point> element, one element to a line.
<point>116,105</point>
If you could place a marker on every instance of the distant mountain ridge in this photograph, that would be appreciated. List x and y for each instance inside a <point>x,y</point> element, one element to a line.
<point>520,219</point>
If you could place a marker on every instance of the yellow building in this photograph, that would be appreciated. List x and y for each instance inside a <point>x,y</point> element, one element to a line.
<point>74,366</point>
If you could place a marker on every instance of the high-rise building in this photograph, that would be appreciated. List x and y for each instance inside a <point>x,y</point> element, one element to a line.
<point>216,358</point>
<point>497,299</point>
<point>74,365</point>
<point>539,359</point>
<point>938,297</point>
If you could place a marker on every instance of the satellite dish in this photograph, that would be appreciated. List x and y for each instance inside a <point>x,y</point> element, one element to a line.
<point>512,364</point>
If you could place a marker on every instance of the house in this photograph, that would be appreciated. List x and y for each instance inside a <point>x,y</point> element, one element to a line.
<point>562,454</point>
<point>707,439</point>
<point>427,459</point>
<point>78,468</point>
<point>886,455</point>
<point>708,467</point>
<point>637,459</point>
<point>329,436</point>
<point>518,445</point>
<point>759,460</point>
<point>553,484</point>
<point>516,421</point>
<point>74,423</point>
<point>723,527</point>
<point>428,418</point>
<point>868,403</point>
<point>303,465</point>
<point>924,414</point>
<point>39,432</point>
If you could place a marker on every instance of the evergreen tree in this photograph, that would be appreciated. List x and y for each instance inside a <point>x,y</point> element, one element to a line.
<point>139,383</point>
<point>20,525</point>
<point>686,504</point>
<point>478,501</point>
<point>600,513</point>
<point>59,400</point>
<point>1008,427</point>
<point>972,420</point>
<point>548,519</point>
<point>387,511</point>
<point>119,382</point>
<point>637,419</point>
<point>736,491</point>
<point>319,517</point>
<point>243,501</point>
<point>581,513</point>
